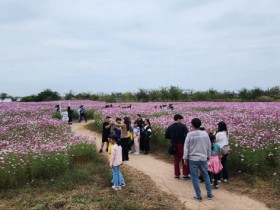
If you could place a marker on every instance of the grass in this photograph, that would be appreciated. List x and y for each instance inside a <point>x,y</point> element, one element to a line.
<point>88,186</point>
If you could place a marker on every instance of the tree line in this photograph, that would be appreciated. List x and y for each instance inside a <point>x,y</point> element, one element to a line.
<point>172,93</point>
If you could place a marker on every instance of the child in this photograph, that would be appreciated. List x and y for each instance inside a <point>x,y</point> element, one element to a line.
<point>110,147</point>
<point>115,163</point>
<point>136,136</point>
<point>214,164</point>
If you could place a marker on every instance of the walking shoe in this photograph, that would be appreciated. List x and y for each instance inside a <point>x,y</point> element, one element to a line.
<point>186,177</point>
<point>225,180</point>
<point>216,186</point>
<point>177,177</point>
<point>199,199</point>
<point>210,197</point>
<point>122,185</point>
<point>116,188</point>
<point>100,151</point>
<point>136,153</point>
<point>219,181</point>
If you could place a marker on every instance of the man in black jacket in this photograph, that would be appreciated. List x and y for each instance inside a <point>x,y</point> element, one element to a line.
<point>177,133</point>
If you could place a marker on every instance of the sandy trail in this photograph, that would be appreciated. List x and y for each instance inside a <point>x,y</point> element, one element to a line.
<point>162,174</point>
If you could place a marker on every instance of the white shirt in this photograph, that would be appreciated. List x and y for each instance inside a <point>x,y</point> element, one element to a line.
<point>222,139</point>
<point>116,155</point>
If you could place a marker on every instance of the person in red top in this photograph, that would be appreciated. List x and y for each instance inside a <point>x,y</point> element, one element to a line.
<point>177,133</point>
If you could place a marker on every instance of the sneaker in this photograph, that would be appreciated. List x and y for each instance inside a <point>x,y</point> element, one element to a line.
<point>219,181</point>
<point>177,177</point>
<point>186,177</point>
<point>216,186</point>
<point>116,188</point>
<point>100,151</point>
<point>122,185</point>
<point>210,197</point>
<point>225,180</point>
<point>199,199</point>
<point>136,153</point>
<point>129,152</point>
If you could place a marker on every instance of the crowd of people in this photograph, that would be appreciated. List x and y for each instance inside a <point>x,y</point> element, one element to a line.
<point>121,137</point>
<point>203,153</point>
<point>200,152</point>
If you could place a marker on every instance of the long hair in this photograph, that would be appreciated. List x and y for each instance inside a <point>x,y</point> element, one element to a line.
<point>222,126</point>
<point>148,121</point>
<point>127,122</point>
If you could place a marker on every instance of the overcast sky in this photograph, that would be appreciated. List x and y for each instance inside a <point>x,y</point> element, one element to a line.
<point>116,46</point>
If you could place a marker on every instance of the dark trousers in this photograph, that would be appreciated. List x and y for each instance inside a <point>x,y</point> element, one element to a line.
<point>83,115</point>
<point>146,145</point>
<point>178,157</point>
<point>216,177</point>
<point>125,147</point>
<point>225,168</point>
<point>142,146</point>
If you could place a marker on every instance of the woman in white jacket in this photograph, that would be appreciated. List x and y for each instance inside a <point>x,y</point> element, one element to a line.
<point>222,140</point>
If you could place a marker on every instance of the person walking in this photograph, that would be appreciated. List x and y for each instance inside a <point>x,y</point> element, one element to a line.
<point>82,114</point>
<point>70,115</point>
<point>177,133</point>
<point>222,140</point>
<point>197,150</point>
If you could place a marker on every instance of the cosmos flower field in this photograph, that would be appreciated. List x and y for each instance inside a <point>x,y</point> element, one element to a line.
<point>33,144</point>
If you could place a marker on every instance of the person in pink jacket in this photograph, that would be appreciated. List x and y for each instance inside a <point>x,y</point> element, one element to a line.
<point>115,163</point>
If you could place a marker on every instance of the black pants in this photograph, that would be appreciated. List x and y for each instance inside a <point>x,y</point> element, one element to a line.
<point>125,147</point>
<point>146,145</point>
<point>142,147</point>
<point>83,115</point>
<point>216,176</point>
<point>225,168</point>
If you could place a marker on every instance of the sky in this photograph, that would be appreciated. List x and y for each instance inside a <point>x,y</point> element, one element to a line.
<point>118,46</point>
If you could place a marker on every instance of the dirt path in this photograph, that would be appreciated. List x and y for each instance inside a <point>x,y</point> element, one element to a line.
<point>162,174</point>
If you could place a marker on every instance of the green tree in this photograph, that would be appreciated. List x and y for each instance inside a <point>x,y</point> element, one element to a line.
<point>274,92</point>
<point>154,95</point>
<point>175,93</point>
<point>29,98</point>
<point>142,95</point>
<point>257,93</point>
<point>70,95</point>
<point>164,94</point>
<point>244,94</point>
<point>3,96</point>
<point>48,95</point>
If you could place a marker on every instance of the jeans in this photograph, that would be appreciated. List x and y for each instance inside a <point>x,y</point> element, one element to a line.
<point>117,176</point>
<point>202,166</point>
